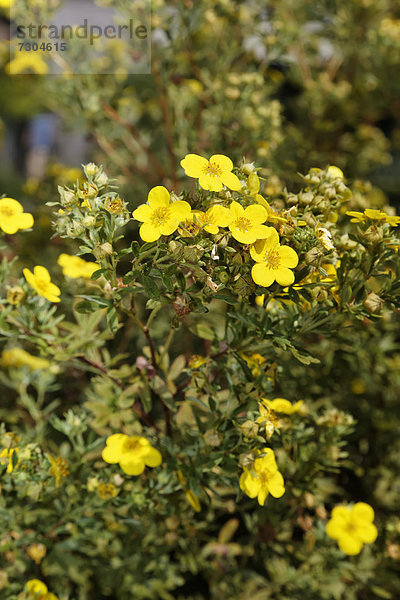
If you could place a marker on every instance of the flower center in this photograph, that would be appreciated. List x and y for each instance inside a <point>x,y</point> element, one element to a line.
<point>243,224</point>
<point>272,258</point>
<point>213,169</point>
<point>350,527</point>
<point>6,212</point>
<point>160,216</point>
<point>131,445</point>
<point>41,284</point>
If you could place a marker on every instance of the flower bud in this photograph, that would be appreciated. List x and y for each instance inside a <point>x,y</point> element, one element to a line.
<point>249,429</point>
<point>15,295</point>
<point>313,256</point>
<point>374,234</point>
<point>89,221</point>
<point>101,179</point>
<point>75,229</point>
<point>247,168</point>
<point>90,169</point>
<point>373,303</point>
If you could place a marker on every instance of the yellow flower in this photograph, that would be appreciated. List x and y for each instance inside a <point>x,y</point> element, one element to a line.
<point>193,500</point>
<point>352,527</point>
<point>6,457</point>
<point>132,453</point>
<point>12,216</point>
<point>58,469</point>
<point>197,361</point>
<point>36,588</point>
<point>74,266</point>
<point>246,223</point>
<point>273,261</point>
<point>40,281</point>
<point>107,491</point>
<point>254,362</point>
<point>160,216</point>
<point>280,405</point>
<point>25,62</point>
<point>267,418</point>
<point>373,214</point>
<point>263,478</point>
<point>193,224</point>
<point>212,174</point>
<point>17,357</point>
<point>215,217</point>
<point>36,552</point>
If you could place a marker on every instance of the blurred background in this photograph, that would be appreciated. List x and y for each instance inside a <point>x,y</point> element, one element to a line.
<point>290,85</point>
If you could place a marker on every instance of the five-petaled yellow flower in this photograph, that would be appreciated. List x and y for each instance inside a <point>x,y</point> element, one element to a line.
<point>74,266</point>
<point>273,261</point>
<point>263,478</point>
<point>352,527</point>
<point>281,405</point>
<point>212,174</point>
<point>40,281</point>
<point>246,223</point>
<point>160,216</point>
<point>12,216</point>
<point>133,453</point>
<point>373,214</point>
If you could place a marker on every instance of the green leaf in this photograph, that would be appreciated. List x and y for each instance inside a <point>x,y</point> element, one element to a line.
<point>98,273</point>
<point>112,319</point>
<point>226,296</point>
<point>202,331</point>
<point>151,287</point>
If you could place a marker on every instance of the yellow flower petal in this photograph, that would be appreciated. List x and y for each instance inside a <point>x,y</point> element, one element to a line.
<point>193,500</point>
<point>288,257</point>
<point>194,165</point>
<point>262,275</point>
<point>223,162</point>
<point>284,276</point>
<point>362,511</point>
<point>210,182</point>
<point>149,233</point>
<point>349,544</point>
<point>158,197</point>
<point>142,213</point>
<point>256,213</point>
<point>276,485</point>
<point>132,466</point>
<point>153,457</point>
<point>231,181</point>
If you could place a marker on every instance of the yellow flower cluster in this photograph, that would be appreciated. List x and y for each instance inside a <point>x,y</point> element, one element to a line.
<point>263,478</point>
<point>17,357</point>
<point>37,590</point>
<point>161,216</point>
<point>352,527</point>
<point>374,215</point>
<point>133,453</point>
